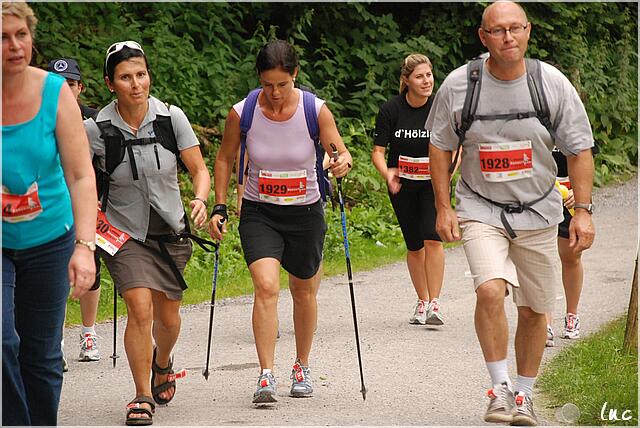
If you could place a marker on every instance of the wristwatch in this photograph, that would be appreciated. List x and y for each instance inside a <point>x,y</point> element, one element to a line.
<point>89,244</point>
<point>588,207</point>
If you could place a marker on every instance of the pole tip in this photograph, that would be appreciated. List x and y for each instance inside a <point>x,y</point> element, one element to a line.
<point>205,373</point>
<point>364,393</point>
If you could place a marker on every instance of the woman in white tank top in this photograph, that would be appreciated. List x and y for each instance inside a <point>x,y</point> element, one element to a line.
<point>282,220</point>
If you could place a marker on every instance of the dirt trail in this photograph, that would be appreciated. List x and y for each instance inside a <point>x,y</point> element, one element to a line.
<point>415,375</point>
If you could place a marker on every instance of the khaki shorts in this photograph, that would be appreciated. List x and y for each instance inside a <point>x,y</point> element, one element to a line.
<point>529,263</point>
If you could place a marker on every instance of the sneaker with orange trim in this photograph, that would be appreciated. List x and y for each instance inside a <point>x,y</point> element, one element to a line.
<point>266,391</point>
<point>571,326</point>
<point>434,317</point>
<point>301,386</point>
<point>501,405</point>
<point>89,347</point>
<point>419,314</point>
<point>523,414</point>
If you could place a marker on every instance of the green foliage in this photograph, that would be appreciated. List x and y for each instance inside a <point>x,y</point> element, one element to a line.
<point>202,55</point>
<point>595,45</point>
<point>202,58</point>
<point>576,376</point>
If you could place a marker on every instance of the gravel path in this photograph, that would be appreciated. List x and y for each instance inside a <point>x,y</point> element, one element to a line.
<point>415,375</point>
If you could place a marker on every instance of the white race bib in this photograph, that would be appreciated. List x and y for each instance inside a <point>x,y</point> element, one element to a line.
<point>506,161</point>
<point>282,187</point>
<point>108,237</point>
<point>414,168</point>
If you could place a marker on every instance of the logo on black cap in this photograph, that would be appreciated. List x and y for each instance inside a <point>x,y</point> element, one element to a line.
<point>60,65</point>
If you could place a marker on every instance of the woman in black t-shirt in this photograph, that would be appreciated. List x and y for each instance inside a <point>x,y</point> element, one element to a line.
<point>400,126</point>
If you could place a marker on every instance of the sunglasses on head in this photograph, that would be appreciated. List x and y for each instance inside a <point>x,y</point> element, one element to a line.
<point>118,46</point>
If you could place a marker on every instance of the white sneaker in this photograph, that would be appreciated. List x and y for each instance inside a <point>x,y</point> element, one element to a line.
<point>550,336</point>
<point>89,347</point>
<point>571,326</point>
<point>419,315</point>
<point>434,317</point>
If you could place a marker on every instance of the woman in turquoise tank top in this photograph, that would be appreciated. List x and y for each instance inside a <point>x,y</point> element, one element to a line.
<point>48,223</point>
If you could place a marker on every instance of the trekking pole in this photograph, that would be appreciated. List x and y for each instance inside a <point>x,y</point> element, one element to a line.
<point>115,356</point>
<point>214,284</point>
<point>343,216</point>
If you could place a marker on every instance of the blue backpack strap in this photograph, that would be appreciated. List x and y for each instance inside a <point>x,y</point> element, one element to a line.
<point>246,119</point>
<point>311,117</point>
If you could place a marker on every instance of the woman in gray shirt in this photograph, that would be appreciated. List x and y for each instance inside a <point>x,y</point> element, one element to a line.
<point>138,142</point>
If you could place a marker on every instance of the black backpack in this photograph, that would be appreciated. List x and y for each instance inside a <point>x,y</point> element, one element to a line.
<point>116,145</point>
<point>474,83</point>
<point>468,116</point>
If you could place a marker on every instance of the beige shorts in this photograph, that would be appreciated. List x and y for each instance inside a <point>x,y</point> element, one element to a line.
<point>529,263</point>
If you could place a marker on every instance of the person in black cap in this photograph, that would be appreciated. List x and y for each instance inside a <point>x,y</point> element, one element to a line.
<point>70,70</point>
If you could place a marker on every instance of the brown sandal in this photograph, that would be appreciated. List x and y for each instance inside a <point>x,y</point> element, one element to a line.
<point>135,408</point>
<point>170,383</point>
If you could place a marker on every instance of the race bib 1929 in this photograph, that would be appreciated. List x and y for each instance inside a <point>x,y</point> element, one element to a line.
<point>282,187</point>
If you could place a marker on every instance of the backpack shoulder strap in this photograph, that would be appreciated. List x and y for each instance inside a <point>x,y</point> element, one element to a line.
<point>311,117</point>
<point>474,83</point>
<point>165,135</point>
<point>246,119</point>
<point>538,97</point>
<point>113,145</point>
<point>468,113</point>
<point>114,149</point>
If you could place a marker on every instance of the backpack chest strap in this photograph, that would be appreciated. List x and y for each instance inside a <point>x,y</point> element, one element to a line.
<point>512,208</point>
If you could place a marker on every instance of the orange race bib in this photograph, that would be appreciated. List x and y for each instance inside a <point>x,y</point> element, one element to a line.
<point>18,208</point>
<point>282,187</point>
<point>506,161</point>
<point>108,237</point>
<point>414,168</point>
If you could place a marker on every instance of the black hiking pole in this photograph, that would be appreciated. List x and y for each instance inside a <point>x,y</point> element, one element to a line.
<point>115,356</point>
<point>343,216</point>
<point>214,284</point>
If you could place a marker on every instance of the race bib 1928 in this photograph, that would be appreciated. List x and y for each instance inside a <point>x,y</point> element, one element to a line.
<point>506,161</point>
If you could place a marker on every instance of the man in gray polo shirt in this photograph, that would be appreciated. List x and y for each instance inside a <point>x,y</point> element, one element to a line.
<point>524,261</point>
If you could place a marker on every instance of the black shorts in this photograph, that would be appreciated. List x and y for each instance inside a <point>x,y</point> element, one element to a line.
<point>415,209</point>
<point>292,234</point>
<point>563,228</point>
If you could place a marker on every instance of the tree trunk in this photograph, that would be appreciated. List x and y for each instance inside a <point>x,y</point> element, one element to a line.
<point>631,334</point>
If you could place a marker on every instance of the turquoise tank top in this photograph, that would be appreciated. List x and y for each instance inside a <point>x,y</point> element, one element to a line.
<point>30,154</point>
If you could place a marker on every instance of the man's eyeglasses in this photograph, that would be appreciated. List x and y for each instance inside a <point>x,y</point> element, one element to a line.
<point>500,32</point>
<point>117,47</point>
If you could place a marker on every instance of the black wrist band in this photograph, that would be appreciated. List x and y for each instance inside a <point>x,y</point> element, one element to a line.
<point>220,209</point>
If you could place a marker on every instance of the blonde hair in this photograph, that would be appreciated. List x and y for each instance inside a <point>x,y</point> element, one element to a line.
<point>409,64</point>
<point>21,10</point>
